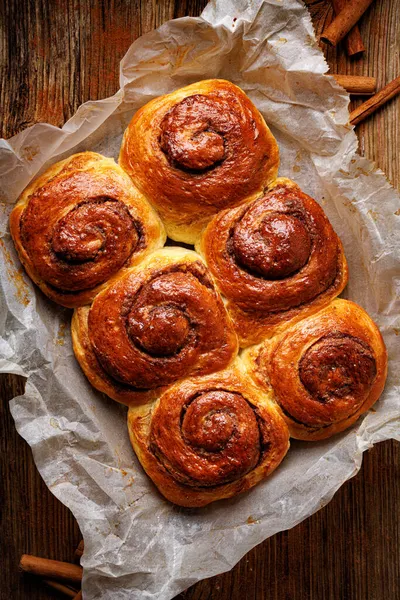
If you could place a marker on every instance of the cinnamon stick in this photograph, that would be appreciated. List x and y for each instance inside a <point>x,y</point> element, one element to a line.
<point>375,102</point>
<point>79,551</point>
<point>356,84</point>
<point>353,42</point>
<point>59,587</point>
<point>344,21</point>
<point>79,595</point>
<point>51,569</point>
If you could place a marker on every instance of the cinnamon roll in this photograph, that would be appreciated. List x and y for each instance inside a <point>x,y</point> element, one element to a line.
<point>208,438</point>
<point>325,371</point>
<point>158,323</point>
<point>201,149</point>
<point>276,260</point>
<point>81,222</point>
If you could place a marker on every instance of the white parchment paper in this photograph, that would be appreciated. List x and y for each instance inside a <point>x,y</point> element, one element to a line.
<point>137,545</point>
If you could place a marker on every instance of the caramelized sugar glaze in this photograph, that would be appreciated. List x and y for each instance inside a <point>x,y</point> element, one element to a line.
<point>209,437</point>
<point>150,328</point>
<point>79,224</point>
<point>324,371</point>
<point>159,323</point>
<point>196,151</point>
<point>275,259</point>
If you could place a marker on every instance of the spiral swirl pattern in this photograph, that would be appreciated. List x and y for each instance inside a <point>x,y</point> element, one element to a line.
<point>273,257</point>
<point>208,438</point>
<point>82,248</point>
<point>150,329</point>
<point>338,362</point>
<point>198,133</point>
<point>205,147</point>
<point>79,224</point>
<point>336,372</point>
<point>158,324</point>
<point>338,368</point>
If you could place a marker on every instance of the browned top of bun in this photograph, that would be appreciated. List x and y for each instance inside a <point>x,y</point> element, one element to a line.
<point>196,151</point>
<point>78,224</point>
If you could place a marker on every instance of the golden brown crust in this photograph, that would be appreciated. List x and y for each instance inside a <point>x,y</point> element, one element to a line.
<point>325,371</point>
<point>98,377</point>
<point>276,260</point>
<point>201,149</point>
<point>80,224</point>
<point>208,438</point>
<point>160,322</point>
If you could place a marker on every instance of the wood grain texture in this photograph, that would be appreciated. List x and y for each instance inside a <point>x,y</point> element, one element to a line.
<point>56,54</point>
<point>379,136</point>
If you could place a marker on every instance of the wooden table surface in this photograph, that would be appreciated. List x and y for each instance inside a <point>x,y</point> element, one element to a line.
<point>56,54</point>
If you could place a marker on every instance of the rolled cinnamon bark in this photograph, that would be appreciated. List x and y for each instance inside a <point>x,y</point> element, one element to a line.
<point>353,42</point>
<point>378,100</point>
<point>79,551</point>
<point>53,569</point>
<point>356,84</point>
<point>59,587</point>
<point>344,21</point>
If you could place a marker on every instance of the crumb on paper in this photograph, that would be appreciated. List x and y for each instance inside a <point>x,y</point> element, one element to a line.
<point>29,152</point>
<point>361,171</point>
<point>251,520</point>
<point>16,276</point>
<point>373,214</point>
<point>296,168</point>
<point>60,341</point>
<point>311,41</point>
<point>348,204</point>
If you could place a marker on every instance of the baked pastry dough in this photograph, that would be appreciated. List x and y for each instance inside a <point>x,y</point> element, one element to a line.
<point>325,371</point>
<point>276,260</point>
<point>202,148</point>
<point>151,330</point>
<point>160,322</point>
<point>208,438</point>
<point>79,224</point>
